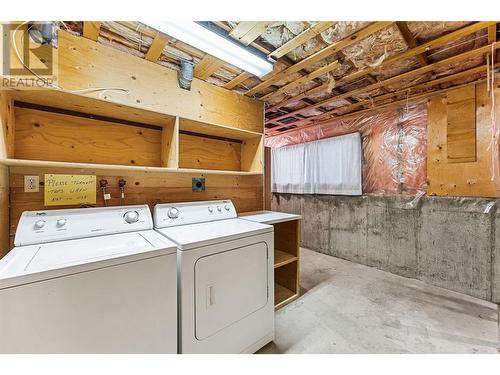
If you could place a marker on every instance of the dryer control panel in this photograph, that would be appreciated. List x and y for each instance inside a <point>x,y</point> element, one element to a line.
<point>56,225</point>
<point>173,214</point>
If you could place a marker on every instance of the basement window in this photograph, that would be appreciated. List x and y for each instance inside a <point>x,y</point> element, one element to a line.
<point>329,166</point>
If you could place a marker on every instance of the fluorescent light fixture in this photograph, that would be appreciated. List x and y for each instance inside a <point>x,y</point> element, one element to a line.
<point>216,45</point>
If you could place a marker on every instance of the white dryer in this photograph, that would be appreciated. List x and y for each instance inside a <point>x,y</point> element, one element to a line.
<point>89,280</point>
<point>225,277</point>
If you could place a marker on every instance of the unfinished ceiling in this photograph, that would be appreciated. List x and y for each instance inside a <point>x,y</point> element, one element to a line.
<point>323,70</point>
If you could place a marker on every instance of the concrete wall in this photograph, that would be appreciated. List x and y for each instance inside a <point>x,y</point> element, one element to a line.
<point>448,242</point>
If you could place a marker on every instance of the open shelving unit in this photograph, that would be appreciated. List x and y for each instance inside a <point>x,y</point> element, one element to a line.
<point>286,262</point>
<point>62,129</point>
<point>286,253</point>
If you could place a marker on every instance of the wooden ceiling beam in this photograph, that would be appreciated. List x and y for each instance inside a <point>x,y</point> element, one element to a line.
<point>419,71</point>
<point>320,55</point>
<point>237,80</point>
<point>246,32</point>
<point>447,38</point>
<point>91,30</point>
<point>492,33</point>
<point>406,91</point>
<point>301,38</point>
<point>157,46</point>
<point>300,81</point>
<point>373,109</point>
<point>411,41</point>
<point>207,66</point>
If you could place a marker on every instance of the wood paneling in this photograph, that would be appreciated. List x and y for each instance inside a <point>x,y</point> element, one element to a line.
<point>170,144</point>
<point>268,195</point>
<point>142,187</point>
<point>6,126</point>
<point>84,64</point>
<point>58,137</point>
<point>461,124</point>
<point>207,153</point>
<point>468,178</point>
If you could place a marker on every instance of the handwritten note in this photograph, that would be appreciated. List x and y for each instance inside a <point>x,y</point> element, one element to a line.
<point>69,189</point>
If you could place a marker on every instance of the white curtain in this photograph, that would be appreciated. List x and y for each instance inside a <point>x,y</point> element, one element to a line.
<point>328,166</point>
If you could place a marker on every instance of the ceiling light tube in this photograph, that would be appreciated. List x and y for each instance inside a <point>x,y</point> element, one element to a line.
<point>216,45</point>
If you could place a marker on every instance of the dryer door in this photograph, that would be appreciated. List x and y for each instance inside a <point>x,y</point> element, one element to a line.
<point>229,286</point>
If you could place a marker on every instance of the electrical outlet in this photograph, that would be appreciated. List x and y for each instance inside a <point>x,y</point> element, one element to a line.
<point>31,184</point>
<point>198,184</point>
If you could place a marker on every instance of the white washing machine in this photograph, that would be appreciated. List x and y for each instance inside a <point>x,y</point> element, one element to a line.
<point>89,280</point>
<point>225,277</point>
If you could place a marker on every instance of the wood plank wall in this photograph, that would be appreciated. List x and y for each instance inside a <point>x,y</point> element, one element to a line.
<point>84,63</point>
<point>142,188</point>
<point>42,135</point>
<point>469,175</point>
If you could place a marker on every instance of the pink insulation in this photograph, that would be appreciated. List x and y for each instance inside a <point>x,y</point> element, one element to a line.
<point>394,146</point>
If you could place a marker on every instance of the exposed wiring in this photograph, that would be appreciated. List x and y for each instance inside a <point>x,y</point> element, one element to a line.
<point>456,45</point>
<point>51,84</point>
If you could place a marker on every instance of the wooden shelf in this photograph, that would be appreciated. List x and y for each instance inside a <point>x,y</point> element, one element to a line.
<point>210,146</point>
<point>282,296</point>
<point>282,258</point>
<point>59,164</point>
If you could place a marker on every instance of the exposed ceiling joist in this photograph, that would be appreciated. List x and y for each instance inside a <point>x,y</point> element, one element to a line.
<point>492,33</point>
<point>91,29</point>
<point>391,60</point>
<point>157,46</point>
<point>246,32</point>
<point>411,73</point>
<point>320,55</point>
<point>237,80</point>
<point>301,38</point>
<point>403,92</point>
<point>411,41</point>
<point>207,66</point>
<point>300,81</point>
<point>379,107</point>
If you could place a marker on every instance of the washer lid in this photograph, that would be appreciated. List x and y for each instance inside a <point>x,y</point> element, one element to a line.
<point>205,234</point>
<point>32,263</point>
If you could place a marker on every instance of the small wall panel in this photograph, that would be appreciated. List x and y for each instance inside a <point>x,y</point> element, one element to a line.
<point>143,187</point>
<point>207,153</point>
<point>461,124</point>
<point>466,178</point>
<point>41,135</point>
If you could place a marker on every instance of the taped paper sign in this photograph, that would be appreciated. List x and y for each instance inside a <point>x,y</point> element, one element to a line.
<point>69,189</point>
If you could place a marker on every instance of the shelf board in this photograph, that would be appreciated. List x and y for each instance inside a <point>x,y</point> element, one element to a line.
<point>282,296</point>
<point>133,168</point>
<point>198,127</point>
<point>281,258</point>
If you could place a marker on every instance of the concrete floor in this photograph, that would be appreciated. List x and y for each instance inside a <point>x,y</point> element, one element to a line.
<point>350,308</point>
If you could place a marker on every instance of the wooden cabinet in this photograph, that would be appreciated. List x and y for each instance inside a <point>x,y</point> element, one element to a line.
<point>286,253</point>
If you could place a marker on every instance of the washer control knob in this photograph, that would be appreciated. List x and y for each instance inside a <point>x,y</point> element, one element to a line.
<point>131,216</point>
<point>173,213</point>
<point>61,223</point>
<point>227,207</point>
<point>219,209</point>
<point>210,209</point>
<point>39,224</point>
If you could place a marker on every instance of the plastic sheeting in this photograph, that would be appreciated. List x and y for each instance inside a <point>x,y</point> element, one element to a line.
<point>329,166</point>
<point>394,146</point>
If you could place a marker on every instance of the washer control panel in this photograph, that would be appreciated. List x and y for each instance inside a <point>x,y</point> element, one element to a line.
<point>173,214</point>
<point>57,225</point>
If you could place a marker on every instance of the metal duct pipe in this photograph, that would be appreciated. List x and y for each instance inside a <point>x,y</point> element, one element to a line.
<point>186,74</point>
<point>42,32</point>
